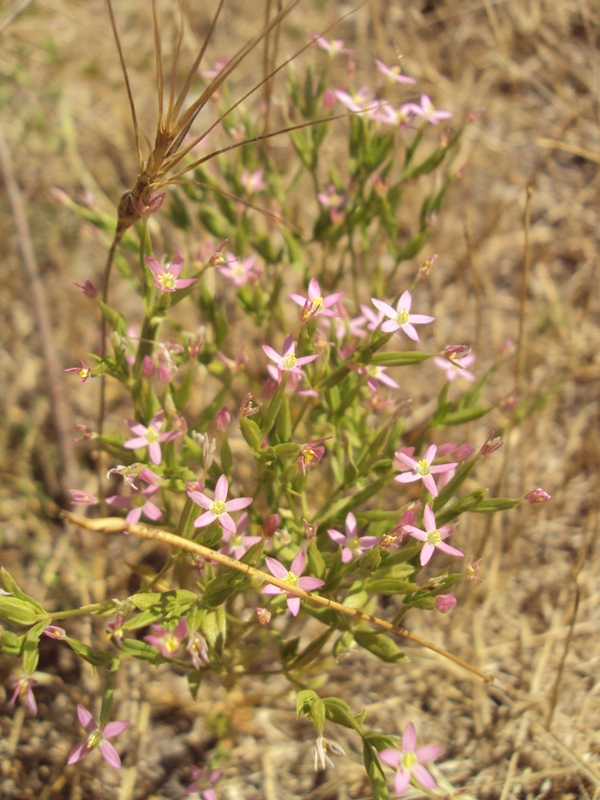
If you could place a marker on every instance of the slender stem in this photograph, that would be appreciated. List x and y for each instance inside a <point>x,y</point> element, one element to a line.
<point>77,612</point>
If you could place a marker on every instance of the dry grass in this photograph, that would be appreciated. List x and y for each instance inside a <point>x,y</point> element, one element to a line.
<point>534,622</point>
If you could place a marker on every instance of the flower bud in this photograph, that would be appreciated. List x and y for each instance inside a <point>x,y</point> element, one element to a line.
<point>18,612</point>
<point>444,602</point>
<point>537,496</point>
<point>270,525</point>
<point>223,419</point>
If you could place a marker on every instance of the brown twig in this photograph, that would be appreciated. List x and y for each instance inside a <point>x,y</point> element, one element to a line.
<point>118,525</point>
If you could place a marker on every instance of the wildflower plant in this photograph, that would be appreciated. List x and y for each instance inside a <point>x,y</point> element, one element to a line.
<point>311,450</point>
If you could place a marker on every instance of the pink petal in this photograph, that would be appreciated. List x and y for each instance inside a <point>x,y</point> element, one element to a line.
<point>452,551</point>
<point>140,441</point>
<point>310,583</point>
<point>288,346</point>
<point>391,757</point>
<point>407,477</point>
<point>429,518</point>
<point>110,755</point>
<point>226,522</point>
<point>401,781</point>
<point>440,468</point>
<point>176,265</point>
<point>429,753</point>
<point>384,308</point>
<point>409,738</point>
<point>134,516</point>
<point>272,354</point>
<point>78,752</point>
<point>115,728</point>
<point>424,776</point>
<point>154,452</point>
<point>183,283</point>
<point>238,503</point>
<point>86,720</point>
<point>297,298</point>
<point>351,526</point>
<point>221,489</point>
<point>406,459</point>
<point>409,331</point>
<point>390,326</point>
<point>426,553</point>
<point>152,512</point>
<point>293,603</point>
<point>429,484</point>
<point>420,319</point>
<point>270,589</point>
<point>200,499</point>
<point>276,568</point>
<point>306,360</point>
<point>204,520</point>
<point>154,265</point>
<point>416,533</point>
<point>299,562</point>
<point>337,537</point>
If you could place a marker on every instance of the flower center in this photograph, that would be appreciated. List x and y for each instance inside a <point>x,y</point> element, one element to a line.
<point>288,362</point>
<point>291,579</point>
<point>402,316</point>
<point>151,435</point>
<point>409,760</point>
<point>236,540</point>
<point>218,507</point>
<point>167,280</point>
<point>171,643</point>
<point>422,467</point>
<point>94,739</point>
<point>433,537</point>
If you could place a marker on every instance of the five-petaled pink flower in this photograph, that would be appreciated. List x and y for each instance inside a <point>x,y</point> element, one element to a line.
<point>423,469</point>
<point>83,371</point>
<point>146,210</point>
<point>401,318</point>
<point>455,366</point>
<point>393,73</point>
<point>167,278</point>
<point>204,783</point>
<point>291,577</point>
<point>432,537</point>
<point>287,361</point>
<point>409,761</point>
<point>150,436</point>
<point>241,272</point>
<point>218,508</point>
<point>332,46</point>
<point>97,737</point>
<point>350,543</point>
<point>166,641</point>
<point>425,110</point>
<point>316,304</point>
<point>23,687</point>
<point>311,453</point>
<point>138,503</point>
<point>237,543</point>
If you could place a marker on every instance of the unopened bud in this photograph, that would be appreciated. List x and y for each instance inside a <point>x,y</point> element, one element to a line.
<point>223,419</point>
<point>270,525</point>
<point>444,603</point>
<point>537,496</point>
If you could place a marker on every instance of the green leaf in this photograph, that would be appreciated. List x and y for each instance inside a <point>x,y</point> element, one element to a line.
<point>214,627</point>
<point>380,644</point>
<point>374,770</point>
<point>94,657</point>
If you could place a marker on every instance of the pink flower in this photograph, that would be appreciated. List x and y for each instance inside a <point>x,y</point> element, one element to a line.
<point>409,761</point>
<point>223,419</point>
<point>472,569</point>
<point>97,737</point>
<point>537,496</point>
<point>353,102</point>
<point>218,508</point>
<point>393,73</point>
<point>241,272</point>
<point>277,569</point>
<point>373,320</point>
<point>168,642</point>
<point>432,537</point>
<point>375,375</point>
<point>263,615</point>
<point>425,110</point>
<point>253,181</point>
<point>55,632</point>
<point>237,543</point>
<point>166,278</point>
<point>311,453</point>
<point>88,288</point>
<point>204,783</point>
<point>422,469</point>
<point>150,436</point>
<point>336,202</point>
<point>315,304</point>
<point>350,543</point>
<point>146,210</point>
<point>401,318</point>
<point>444,602</point>
<point>138,503</point>
<point>332,46</point>
<point>23,687</point>
<point>198,650</point>
<point>83,371</point>
<point>79,498</point>
<point>455,366</point>
<point>287,361</point>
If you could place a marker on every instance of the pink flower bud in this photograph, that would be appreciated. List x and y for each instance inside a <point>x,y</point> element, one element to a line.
<point>223,419</point>
<point>537,496</point>
<point>444,602</point>
<point>88,288</point>
<point>270,525</point>
<point>55,632</point>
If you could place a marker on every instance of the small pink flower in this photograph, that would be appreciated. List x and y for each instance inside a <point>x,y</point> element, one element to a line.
<point>168,642</point>
<point>393,73</point>
<point>83,371</point>
<point>253,181</point>
<point>455,366</point>
<point>315,304</point>
<point>97,737</point>
<point>219,508</point>
<point>401,318</point>
<point>332,46</point>
<point>237,543</point>
<point>491,444</point>
<point>150,436</point>
<point>146,210</point>
<point>409,761</point>
<point>241,272</point>
<point>376,375</point>
<point>335,202</point>
<point>472,569</point>
<point>537,496</point>
<point>79,498</point>
<point>88,288</point>
<point>166,278</point>
<point>23,687</point>
<point>263,615</point>
<point>444,602</point>
<point>277,569</point>
<point>55,632</point>
<point>353,102</point>
<point>287,361</point>
<point>425,110</point>
<point>432,537</point>
<point>423,469</point>
<point>223,419</point>
<point>311,453</point>
<point>204,783</point>
<point>270,525</point>
<point>198,650</point>
<point>351,545</point>
<point>138,503</point>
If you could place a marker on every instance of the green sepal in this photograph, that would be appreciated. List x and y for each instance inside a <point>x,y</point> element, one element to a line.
<point>10,643</point>
<point>374,770</point>
<point>11,586</point>
<point>389,586</point>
